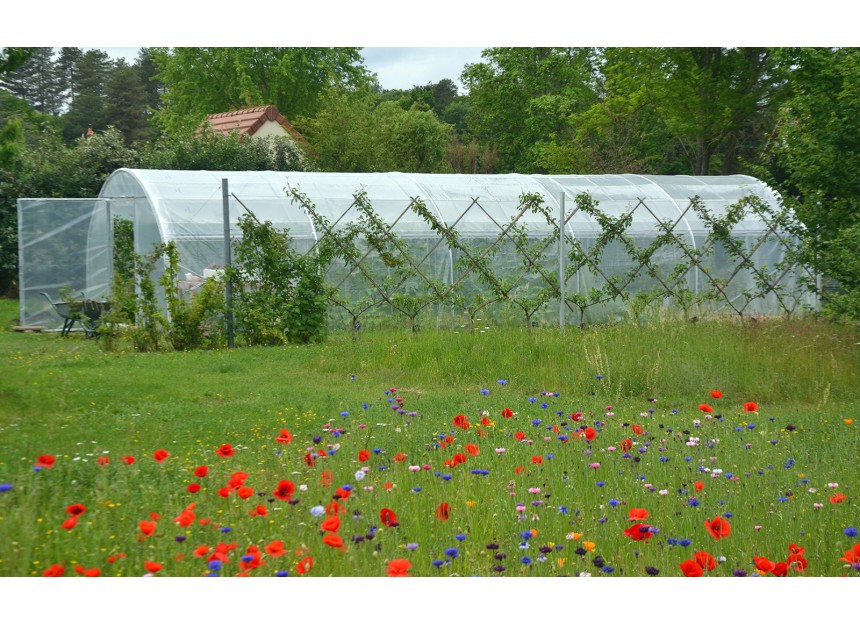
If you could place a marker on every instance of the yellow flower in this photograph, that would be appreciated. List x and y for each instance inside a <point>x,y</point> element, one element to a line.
<point>470,503</point>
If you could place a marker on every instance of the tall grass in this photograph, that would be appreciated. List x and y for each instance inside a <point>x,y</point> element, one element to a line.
<point>64,397</point>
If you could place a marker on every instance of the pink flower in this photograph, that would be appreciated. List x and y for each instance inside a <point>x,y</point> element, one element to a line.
<point>595,465</point>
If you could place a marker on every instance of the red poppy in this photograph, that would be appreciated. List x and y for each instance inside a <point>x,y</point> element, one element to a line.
<point>104,460</point>
<point>334,508</point>
<point>797,562</point>
<point>128,460</point>
<point>763,564</point>
<point>691,568</point>
<point>459,458</point>
<point>75,510</point>
<point>626,445</point>
<point>224,492</point>
<point>193,488</point>
<point>507,413</point>
<point>160,455</point>
<point>326,478</point>
<point>146,527</point>
<point>519,470</point>
<point>398,567</point>
<point>387,517</point>
<point>54,570</point>
<point>637,513</point>
<point>589,434</point>
<point>716,394</point>
<point>388,485</point>
<point>363,455</point>
<point>718,527</point>
<point>794,549</point>
<point>637,429</point>
<point>335,541</point>
<point>70,522</point>
<point>461,421</point>
<point>201,471</point>
<point>780,569</point>
<point>698,486</point>
<point>285,490</point>
<point>519,435</point>
<point>706,560</point>
<point>486,421</point>
<point>90,572</point>
<point>225,450</point>
<point>537,459</point>
<point>45,461</point>
<point>576,416</point>
<point>638,532</point>
<point>154,516</point>
<point>152,566</point>
<point>261,510</point>
<point>472,449</point>
<point>331,524</point>
<point>837,498</point>
<point>342,494</point>
<point>237,479</point>
<point>285,437</point>
<point>750,406</point>
<point>706,408</point>
<point>186,517</point>
<point>852,555</point>
<point>304,566</point>
<point>443,511</point>
<point>399,457</point>
<point>245,492</point>
<point>201,551</point>
<point>310,460</point>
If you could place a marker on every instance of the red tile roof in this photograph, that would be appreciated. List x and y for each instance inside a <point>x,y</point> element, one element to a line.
<point>248,121</point>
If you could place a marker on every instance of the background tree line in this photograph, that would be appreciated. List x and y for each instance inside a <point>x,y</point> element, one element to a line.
<point>785,115</point>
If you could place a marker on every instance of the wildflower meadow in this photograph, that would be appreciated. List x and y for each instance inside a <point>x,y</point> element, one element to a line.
<point>645,453</point>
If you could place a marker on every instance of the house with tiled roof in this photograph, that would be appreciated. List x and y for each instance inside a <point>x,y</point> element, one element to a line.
<point>260,121</point>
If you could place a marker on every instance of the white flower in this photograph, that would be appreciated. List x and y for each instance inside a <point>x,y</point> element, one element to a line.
<point>359,475</point>
<point>318,511</point>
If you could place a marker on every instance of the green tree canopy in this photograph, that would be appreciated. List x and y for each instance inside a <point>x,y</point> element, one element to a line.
<point>201,81</point>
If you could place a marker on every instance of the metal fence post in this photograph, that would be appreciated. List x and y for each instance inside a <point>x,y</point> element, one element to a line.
<point>228,289</point>
<point>561,280</point>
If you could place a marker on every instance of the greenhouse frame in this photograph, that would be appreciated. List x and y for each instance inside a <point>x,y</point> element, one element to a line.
<point>545,249</point>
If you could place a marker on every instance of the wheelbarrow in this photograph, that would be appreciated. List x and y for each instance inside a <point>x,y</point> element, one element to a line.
<point>87,313</point>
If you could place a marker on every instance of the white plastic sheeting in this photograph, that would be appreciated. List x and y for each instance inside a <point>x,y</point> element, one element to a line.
<point>187,207</point>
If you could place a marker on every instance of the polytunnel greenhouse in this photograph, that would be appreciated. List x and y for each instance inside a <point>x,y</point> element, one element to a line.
<point>448,250</point>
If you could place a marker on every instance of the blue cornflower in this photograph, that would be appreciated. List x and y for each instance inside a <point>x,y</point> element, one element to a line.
<point>663,458</point>
<point>346,487</point>
<point>226,529</point>
<point>377,451</point>
<point>614,502</point>
<point>563,510</point>
<point>688,458</point>
<point>364,406</point>
<point>526,560</point>
<point>563,438</point>
<point>532,400</point>
<point>672,541</point>
<point>674,410</point>
<point>215,565</point>
<point>282,573</point>
<point>447,477</point>
<point>317,439</point>
<point>782,499</point>
<point>608,569</point>
<point>438,562</point>
<point>600,484</point>
<point>535,422</point>
<point>247,558</point>
<point>411,546</point>
<point>598,377</point>
<point>460,537</point>
<point>751,426</point>
<point>739,428</point>
<point>452,552</point>
<point>502,382</point>
<point>684,542</point>
<point>382,467</point>
<point>180,538</point>
<point>485,392</point>
<point>850,532</point>
<point>416,489</point>
<point>728,514</point>
<point>526,535</point>
<point>549,455</point>
<point>544,405</point>
<point>601,520</point>
<point>5,487</point>
<point>693,502</point>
